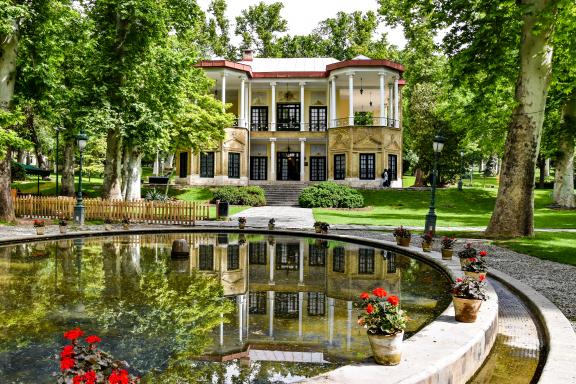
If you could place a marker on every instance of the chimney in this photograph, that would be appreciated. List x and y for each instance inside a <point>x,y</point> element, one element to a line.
<point>247,55</point>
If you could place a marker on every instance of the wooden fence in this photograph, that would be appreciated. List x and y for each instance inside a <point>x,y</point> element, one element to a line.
<point>158,212</point>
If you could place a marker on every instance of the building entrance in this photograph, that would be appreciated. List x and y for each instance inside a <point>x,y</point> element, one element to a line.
<point>288,166</point>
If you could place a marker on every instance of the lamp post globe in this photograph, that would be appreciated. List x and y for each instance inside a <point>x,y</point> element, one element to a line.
<point>79,209</point>
<point>430,224</point>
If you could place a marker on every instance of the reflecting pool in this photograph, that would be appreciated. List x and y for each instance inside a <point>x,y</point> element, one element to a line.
<point>239,309</point>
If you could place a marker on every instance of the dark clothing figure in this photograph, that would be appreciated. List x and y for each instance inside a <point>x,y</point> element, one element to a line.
<point>385,179</point>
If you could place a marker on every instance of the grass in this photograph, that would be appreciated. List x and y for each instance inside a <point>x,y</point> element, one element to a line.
<point>554,246</point>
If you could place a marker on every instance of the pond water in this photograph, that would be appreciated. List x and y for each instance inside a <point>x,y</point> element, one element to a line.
<point>240,309</point>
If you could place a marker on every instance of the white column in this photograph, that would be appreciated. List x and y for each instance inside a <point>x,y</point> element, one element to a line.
<point>273,114</point>
<point>390,103</point>
<point>156,168</point>
<point>330,320</point>
<point>272,256</point>
<point>396,101</point>
<point>349,325</point>
<point>240,301</point>
<point>273,158</point>
<point>351,99</point>
<point>302,157</point>
<point>302,84</point>
<point>300,309</point>
<point>248,104</point>
<point>242,117</point>
<point>223,92</point>
<point>271,313</point>
<point>222,329</point>
<point>333,103</point>
<point>301,263</point>
<point>382,97</point>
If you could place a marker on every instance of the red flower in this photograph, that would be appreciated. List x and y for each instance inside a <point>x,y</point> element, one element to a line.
<point>67,351</point>
<point>73,334</point>
<point>483,253</point>
<point>78,379</point>
<point>482,277</point>
<point>369,308</point>
<point>119,377</point>
<point>67,363</point>
<point>458,280</point>
<point>93,339</point>
<point>394,300</point>
<point>90,377</point>
<point>472,259</point>
<point>380,292</point>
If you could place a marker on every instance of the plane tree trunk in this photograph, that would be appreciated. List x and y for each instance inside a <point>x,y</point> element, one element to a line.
<point>112,169</point>
<point>68,166</point>
<point>564,177</point>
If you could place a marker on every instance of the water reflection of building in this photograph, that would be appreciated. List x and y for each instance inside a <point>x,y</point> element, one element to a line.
<point>293,297</point>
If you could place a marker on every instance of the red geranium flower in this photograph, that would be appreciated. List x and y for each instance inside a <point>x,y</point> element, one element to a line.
<point>90,377</point>
<point>364,296</point>
<point>394,300</point>
<point>483,253</point>
<point>380,292</point>
<point>369,308</point>
<point>67,351</point>
<point>482,277</point>
<point>73,334</point>
<point>458,280</point>
<point>119,377</point>
<point>93,339</point>
<point>67,363</point>
<point>472,260</point>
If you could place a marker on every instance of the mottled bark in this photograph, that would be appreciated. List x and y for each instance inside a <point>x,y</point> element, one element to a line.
<point>564,178</point>
<point>67,171</point>
<point>514,210</point>
<point>41,160</point>
<point>133,172</point>
<point>419,181</point>
<point>6,203</point>
<point>113,167</point>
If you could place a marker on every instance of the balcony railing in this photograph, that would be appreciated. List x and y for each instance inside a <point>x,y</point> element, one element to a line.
<point>294,127</point>
<point>366,121</point>
<point>259,126</point>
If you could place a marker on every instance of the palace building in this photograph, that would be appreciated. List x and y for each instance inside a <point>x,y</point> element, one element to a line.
<point>303,120</point>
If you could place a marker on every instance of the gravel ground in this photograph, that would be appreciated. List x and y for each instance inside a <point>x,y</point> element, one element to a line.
<point>554,280</point>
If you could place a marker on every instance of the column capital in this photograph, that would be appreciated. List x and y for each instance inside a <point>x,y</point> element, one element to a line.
<point>243,78</point>
<point>301,139</point>
<point>351,74</point>
<point>272,83</point>
<point>223,74</point>
<point>332,77</point>
<point>272,139</point>
<point>302,83</point>
<point>382,73</point>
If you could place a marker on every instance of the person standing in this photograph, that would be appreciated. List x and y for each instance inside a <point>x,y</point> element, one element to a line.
<point>385,180</point>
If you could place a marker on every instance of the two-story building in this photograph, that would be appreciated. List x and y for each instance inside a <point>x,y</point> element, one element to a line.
<point>303,120</point>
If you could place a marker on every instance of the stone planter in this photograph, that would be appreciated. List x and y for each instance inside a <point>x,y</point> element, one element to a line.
<point>387,349</point>
<point>466,310</point>
<point>63,229</point>
<point>403,241</point>
<point>426,247</point>
<point>40,230</point>
<point>447,253</point>
<point>475,275</point>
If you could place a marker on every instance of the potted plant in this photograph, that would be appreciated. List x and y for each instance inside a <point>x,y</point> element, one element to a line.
<point>402,236</point>
<point>241,222</point>
<point>324,227</point>
<point>476,268</point>
<point>427,240</point>
<point>62,225</point>
<point>467,253</point>
<point>385,323</point>
<point>467,295</point>
<point>126,223</point>
<point>317,226</point>
<point>40,226</point>
<point>447,247</point>
<point>108,224</point>
<point>271,224</point>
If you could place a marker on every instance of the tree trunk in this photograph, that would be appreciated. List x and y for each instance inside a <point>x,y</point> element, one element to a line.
<point>8,57</point>
<point>564,176</point>
<point>31,125</point>
<point>419,182</point>
<point>112,169</point>
<point>547,167</point>
<point>514,210</point>
<point>541,166</point>
<point>133,172</point>
<point>67,181</point>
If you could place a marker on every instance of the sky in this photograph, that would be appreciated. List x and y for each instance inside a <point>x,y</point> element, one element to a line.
<point>304,15</point>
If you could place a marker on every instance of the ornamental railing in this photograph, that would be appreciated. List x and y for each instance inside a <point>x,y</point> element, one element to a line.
<point>367,121</point>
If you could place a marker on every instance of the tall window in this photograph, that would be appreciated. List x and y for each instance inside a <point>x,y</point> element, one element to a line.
<point>393,167</point>
<point>318,119</point>
<point>366,260</point>
<point>233,257</point>
<point>316,255</point>
<point>317,168</point>
<point>391,261</point>
<point>287,256</point>
<point>259,119</point>
<point>367,161</point>
<point>206,257</point>
<point>258,166</point>
<point>257,252</point>
<point>288,117</point>
<point>339,167</point>
<point>233,165</point>
<point>286,304</point>
<point>257,303</point>
<point>316,302</point>
<point>338,259</point>
<point>207,164</point>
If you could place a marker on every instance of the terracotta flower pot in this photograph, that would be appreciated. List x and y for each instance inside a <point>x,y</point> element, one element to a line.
<point>466,310</point>
<point>63,229</point>
<point>427,246</point>
<point>387,349</point>
<point>271,227</point>
<point>317,229</point>
<point>241,225</point>
<point>403,241</point>
<point>475,275</point>
<point>40,230</point>
<point>464,262</point>
<point>447,253</point>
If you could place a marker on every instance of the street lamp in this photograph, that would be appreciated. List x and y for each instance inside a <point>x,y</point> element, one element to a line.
<point>430,225</point>
<point>461,171</point>
<point>81,140</point>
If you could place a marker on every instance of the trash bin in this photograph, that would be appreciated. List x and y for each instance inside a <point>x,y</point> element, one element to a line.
<point>223,209</point>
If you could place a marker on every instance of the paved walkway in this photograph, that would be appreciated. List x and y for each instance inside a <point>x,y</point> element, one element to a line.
<point>286,217</point>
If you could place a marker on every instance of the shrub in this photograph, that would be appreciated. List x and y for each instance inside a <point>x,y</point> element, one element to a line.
<point>17,171</point>
<point>253,195</point>
<point>330,195</point>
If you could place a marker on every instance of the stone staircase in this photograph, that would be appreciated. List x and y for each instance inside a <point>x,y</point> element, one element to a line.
<point>283,194</point>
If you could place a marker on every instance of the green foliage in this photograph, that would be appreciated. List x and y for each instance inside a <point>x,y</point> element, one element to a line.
<point>258,26</point>
<point>17,171</point>
<point>469,288</point>
<point>252,196</point>
<point>330,195</point>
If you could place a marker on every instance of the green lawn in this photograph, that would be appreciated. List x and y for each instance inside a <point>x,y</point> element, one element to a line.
<point>471,207</point>
<point>554,246</point>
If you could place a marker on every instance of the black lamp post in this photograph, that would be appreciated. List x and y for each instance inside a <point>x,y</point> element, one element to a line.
<point>58,129</point>
<point>79,210</point>
<point>430,225</point>
<point>461,171</point>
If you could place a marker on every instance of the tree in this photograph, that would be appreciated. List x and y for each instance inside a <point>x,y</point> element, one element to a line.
<point>218,28</point>
<point>258,26</point>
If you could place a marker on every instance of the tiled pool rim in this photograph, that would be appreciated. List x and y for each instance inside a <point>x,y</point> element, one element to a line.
<point>444,351</point>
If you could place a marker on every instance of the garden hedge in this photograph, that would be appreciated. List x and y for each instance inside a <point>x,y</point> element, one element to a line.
<point>252,196</point>
<point>330,195</point>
